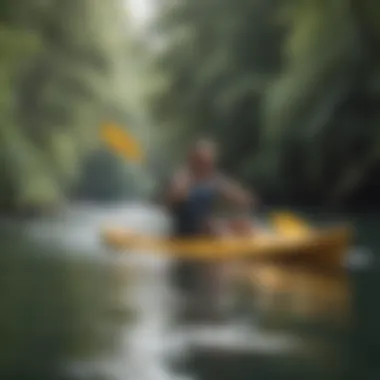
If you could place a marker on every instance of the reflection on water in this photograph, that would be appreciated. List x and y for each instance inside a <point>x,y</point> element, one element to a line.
<point>300,296</point>
<point>59,309</point>
<point>313,307</point>
<point>53,309</point>
<point>67,299</point>
<point>61,294</point>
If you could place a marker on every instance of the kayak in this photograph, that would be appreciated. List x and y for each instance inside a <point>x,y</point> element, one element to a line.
<point>320,247</point>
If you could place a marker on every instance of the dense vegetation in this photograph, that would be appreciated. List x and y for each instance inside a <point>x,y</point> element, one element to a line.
<point>64,69</point>
<point>290,89</point>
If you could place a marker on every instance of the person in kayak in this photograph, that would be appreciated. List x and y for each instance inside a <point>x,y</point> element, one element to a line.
<point>191,197</point>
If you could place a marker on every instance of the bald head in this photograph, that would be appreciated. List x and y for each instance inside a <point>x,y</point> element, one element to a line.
<point>204,145</point>
<point>203,156</point>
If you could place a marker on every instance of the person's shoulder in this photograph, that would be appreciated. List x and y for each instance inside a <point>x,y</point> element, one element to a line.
<point>222,178</point>
<point>180,172</point>
<point>176,175</point>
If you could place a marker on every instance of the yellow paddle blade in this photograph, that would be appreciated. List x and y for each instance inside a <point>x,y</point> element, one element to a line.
<point>120,141</point>
<point>289,225</point>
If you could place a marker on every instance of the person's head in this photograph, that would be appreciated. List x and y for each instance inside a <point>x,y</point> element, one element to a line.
<point>203,156</point>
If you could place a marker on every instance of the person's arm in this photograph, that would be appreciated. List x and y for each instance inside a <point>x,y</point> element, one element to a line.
<point>215,227</point>
<point>178,188</point>
<point>234,193</point>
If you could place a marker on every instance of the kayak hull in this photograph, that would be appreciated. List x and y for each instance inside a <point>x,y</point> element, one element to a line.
<point>325,247</point>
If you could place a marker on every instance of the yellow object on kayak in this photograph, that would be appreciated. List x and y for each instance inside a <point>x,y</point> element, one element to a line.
<point>325,247</point>
<point>119,140</point>
<point>288,224</point>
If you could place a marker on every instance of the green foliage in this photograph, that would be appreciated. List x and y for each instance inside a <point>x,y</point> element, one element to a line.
<point>321,108</point>
<point>16,46</point>
<point>219,59</point>
<point>63,67</point>
<point>291,90</point>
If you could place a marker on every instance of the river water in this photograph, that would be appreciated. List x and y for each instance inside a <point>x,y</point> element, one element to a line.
<point>111,313</point>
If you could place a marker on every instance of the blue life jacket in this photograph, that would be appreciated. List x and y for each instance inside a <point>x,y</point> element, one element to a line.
<point>190,215</point>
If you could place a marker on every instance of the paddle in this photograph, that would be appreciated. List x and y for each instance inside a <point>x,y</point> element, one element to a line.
<point>123,143</point>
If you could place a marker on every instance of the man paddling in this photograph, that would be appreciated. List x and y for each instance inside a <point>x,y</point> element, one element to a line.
<point>191,197</point>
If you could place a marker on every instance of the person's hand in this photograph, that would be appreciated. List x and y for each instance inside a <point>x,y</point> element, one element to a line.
<point>240,197</point>
<point>254,202</point>
<point>244,199</point>
<point>180,188</point>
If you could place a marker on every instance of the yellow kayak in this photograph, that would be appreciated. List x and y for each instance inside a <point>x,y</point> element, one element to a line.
<point>320,247</point>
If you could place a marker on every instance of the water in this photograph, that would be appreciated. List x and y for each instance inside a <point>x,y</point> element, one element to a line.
<point>67,308</point>
<point>364,353</point>
<point>54,308</point>
<point>144,342</point>
<point>91,313</point>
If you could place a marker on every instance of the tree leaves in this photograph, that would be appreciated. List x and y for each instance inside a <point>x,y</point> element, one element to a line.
<point>280,85</point>
<point>62,68</point>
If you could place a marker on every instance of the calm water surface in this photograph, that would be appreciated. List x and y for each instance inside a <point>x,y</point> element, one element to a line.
<point>56,308</point>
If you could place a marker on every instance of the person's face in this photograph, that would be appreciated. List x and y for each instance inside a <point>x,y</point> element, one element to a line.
<point>203,159</point>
